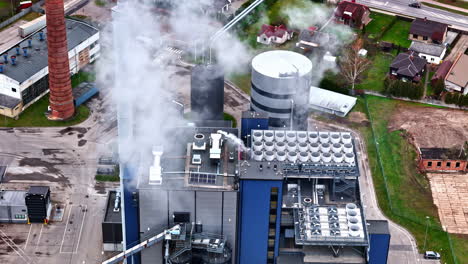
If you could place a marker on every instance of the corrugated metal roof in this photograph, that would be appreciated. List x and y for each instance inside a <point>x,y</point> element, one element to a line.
<point>25,67</point>
<point>331,100</point>
<point>430,49</point>
<point>12,198</point>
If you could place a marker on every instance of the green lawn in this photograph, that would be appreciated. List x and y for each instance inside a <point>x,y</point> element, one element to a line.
<point>82,76</point>
<point>379,23</point>
<point>373,78</point>
<point>446,9</point>
<point>241,80</point>
<point>398,34</point>
<point>31,16</point>
<point>458,3</point>
<point>107,178</point>
<point>229,117</point>
<point>34,116</point>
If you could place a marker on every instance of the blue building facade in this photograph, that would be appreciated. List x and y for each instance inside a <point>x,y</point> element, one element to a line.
<point>260,203</point>
<point>379,237</point>
<point>252,120</point>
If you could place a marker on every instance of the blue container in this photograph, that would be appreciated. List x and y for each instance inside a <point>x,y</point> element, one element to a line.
<point>379,237</point>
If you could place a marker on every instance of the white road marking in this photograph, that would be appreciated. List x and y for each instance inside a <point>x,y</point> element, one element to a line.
<point>39,238</point>
<point>81,228</point>
<point>66,226</point>
<point>29,233</point>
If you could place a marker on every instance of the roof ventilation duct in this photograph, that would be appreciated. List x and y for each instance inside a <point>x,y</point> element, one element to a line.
<point>336,147</point>
<point>269,155</point>
<point>13,60</point>
<point>337,157</point>
<point>315,156</point>
<point>155,173</point>
<point>292,156</point>
<point>292,146</point>
<point>346,138</point>
<point>268,136</point>
<point>324,138</point>
<point>335,138</point>
<point>1,67</point>
<point>257,146</point>
<point>258,155</point>
<point>257,136</point>
<point>269,146</point>
<point>349,158</point>
<point>5,58</point>
<point>280,146</point>
<point>301,137</point>
<point>199,142</point>
<point>313,137</point>
<point>325,147</point>
<point>303,156</point>
<point>303,147</point>
<point>326,157</point>
<point>314,147</point>
<point>216,144</point>
<point>279,136</point>
<point>281,156</point>
<point>117,202</point>
<point>291,136</point>
<point>348,148</point>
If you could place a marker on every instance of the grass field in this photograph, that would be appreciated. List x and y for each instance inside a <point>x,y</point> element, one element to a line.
<point>398,34</point>
<point>379,23</point>
<point>107,178</point>
<point>446,9</point>
<point>241,80</point>
<point>82,76</point>
<point>375,75</point>
<point>34,116</point>
<point>31,16</point>
<point>458,3</point>
<point>404,194</point>
<point>229,117</point>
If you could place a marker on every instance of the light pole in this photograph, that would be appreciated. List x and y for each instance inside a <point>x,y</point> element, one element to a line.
<point>425,236</point>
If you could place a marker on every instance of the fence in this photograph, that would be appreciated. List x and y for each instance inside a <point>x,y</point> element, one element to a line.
<point>15,17</point>
<point>431,229</point>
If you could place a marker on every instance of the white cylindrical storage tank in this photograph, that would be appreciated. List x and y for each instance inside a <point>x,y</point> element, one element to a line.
<point>257,136</point>
<point>291,146</point>
<point>304,156</point>
<point>315,156</point>
<point>336,147</point>
<point>324,137</point>
<point>326,157</point>
<point>292,156</point>
<point>258,155</point>
<point>301,137</point>
<point>280,84</point>
<point>348,148</point>
<point>269,155</point>
<point>280,146</point>
<point>325,147</point>
<point>281,156</point>
<point>257,146</point>
<point>313,137</point>
<point>291,136</point>
<point>303,147</point>
<point>279,136</point>
<point>337,157</point>
<point>268,146</point>
<point>346,138</point>
<point>314,147</point>
<point>335,138</point>
<point>349,158</point>
<point>268,136</point>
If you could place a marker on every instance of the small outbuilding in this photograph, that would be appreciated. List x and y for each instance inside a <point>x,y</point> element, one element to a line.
<point>432,53</point>
<point>443,159</point>
<point>274,34</point>
<point>330,102</point>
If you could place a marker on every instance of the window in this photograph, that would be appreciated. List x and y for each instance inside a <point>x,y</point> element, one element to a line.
<point>432,59</point>
<point>429,164</point>
<point>13,90</point>
<point>439,163</point>
<point>424,38</point>
<point>457,165</point>
<point>415,35</point>
<point>424,57</point>
<point>448,164</point>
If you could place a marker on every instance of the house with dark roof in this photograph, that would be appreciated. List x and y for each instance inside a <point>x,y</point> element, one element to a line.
<point>274,34</point>
<point>407,67</point>
<point>457,77</point>
<point>353,14</point>
<point>24,71</point>
<point>443,159</point>
<point>428,31</point>
<point>311,38</point>
<point>432,53</point>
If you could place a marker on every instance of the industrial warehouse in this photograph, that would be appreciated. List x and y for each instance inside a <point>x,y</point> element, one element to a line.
<point>24,67</point>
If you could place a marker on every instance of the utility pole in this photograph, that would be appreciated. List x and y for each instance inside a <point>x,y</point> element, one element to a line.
<point>425,236</point>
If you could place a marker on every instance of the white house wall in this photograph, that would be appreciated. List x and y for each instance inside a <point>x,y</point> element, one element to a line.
<point>6,85</point>
<point>432,59</point>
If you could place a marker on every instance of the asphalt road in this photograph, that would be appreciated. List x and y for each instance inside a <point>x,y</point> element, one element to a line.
<point>401,7</point>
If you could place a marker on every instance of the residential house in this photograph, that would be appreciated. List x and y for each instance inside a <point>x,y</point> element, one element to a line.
<point>353,14</point>
<point>274,34</point>
<point>442,71</point>
<point>432,53</point>
<point>443,159</point>
<point>312,38</point>
<point>407,67</point>
<point>428,31</point>
<point>457,77</point>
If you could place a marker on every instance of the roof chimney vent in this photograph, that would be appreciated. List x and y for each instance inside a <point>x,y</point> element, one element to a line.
<point>30,42</point>
<point>17,50</point>
<point>5,58</point>
<point>155,173</point>
<point>41,35</point>
<point>13,60</point>
<point>25,52</point>
<point>1,67</point>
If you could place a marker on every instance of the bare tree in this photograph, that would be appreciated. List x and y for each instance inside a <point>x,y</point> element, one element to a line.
<point>353,64</point>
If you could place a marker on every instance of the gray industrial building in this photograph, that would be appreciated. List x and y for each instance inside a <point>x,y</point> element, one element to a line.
<point>13,207</point>
<point>192,180</point>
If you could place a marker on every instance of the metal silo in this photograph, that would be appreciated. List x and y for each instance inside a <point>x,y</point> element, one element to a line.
<point>280,87</point>
<point>207,92</point>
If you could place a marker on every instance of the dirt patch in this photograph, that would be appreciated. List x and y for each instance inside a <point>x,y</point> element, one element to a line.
<point>100,188</point>
<point>51,151</point>
<point>82,142</point>
<point>450,194</point>
<point>432,127</point>
<point>36,162</point>
<point>358,117</point>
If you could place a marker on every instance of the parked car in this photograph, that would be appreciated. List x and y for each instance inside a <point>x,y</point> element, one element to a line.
<point>431,255</point>
<point>415,4</point>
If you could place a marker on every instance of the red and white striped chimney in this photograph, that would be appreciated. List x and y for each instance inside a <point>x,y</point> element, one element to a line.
<point>61,97</point>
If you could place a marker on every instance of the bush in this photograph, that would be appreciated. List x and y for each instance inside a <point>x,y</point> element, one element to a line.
<point>438,87</point>
<point>403,89</point>
<point>334,82</point>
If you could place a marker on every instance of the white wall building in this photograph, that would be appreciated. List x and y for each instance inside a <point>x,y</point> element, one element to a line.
<point>24,78</point>
<point>432,53</point>
<point>330,102</point>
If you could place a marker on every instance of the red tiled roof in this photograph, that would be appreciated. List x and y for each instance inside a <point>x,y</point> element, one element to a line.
<point>356,9</point>
<point>277,31</point>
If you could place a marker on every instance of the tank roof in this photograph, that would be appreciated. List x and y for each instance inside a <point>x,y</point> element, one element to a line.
<point>281,64</point>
